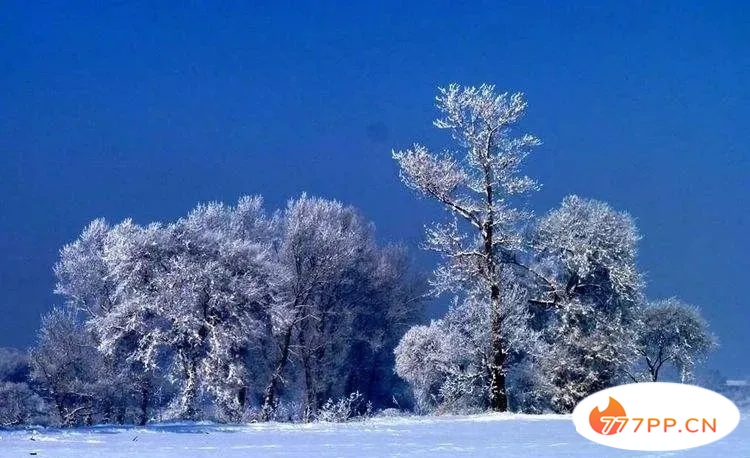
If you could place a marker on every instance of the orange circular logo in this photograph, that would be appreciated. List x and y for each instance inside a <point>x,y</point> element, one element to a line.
<point>613,410</point>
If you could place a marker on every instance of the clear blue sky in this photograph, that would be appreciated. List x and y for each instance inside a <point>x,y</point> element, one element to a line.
<point>141,111</point>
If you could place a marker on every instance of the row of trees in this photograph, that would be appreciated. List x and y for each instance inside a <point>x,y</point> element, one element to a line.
<point>547,309</point>
<point>228,313</point>
<point>232,313</point>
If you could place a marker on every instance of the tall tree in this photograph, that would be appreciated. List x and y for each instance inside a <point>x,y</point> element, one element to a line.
<point>320,240</point>
<point>478,187</point>
<point>214,299</point>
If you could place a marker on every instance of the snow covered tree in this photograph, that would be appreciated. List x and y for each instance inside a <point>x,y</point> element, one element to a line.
<point>81,271</point>
<point>65,365</point>
<point>592,249</point>
<point>421,361</point>
<point>343,304</point>
<point>230,304</point>
<point>19,404</point>
<point>106,274</point>
<point>588,257</point>
<point>127,332</point>
<point>673,333</point>
<point>468,336</point>
<point>459,370</point>
<point>478,187</point>
<point>195,291</point>
<point>214,298</point>
<point>320,239</point>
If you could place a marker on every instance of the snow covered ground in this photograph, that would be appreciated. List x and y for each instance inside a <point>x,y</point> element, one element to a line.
<point>483,435</point>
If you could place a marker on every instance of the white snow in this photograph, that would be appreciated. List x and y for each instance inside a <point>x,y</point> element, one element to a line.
<point>448,436</point>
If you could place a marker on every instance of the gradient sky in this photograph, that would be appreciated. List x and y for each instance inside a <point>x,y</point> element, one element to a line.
<point>140,111</point>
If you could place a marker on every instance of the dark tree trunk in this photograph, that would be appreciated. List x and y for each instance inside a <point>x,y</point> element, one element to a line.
<point>190,391</point>
<point>120,416</point>
<point>269,401</point>
<point>242,397</point>
<point>311,401</point>
<point>145,402</point>
<point>498,394</point>
<point>60,410</point>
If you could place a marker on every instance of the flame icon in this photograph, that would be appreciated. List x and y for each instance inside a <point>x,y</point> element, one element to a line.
<point>614,409</point>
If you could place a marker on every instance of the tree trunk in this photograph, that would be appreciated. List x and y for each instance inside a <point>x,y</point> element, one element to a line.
<point>145,401</point>
<point>60,410</point>
<point>498,394</point>
<point>273,385</point>
<point>242,397</point>
<point>190,391</point>
<point>120,416</point>
<point>311,407</point>
<point>311,401</point>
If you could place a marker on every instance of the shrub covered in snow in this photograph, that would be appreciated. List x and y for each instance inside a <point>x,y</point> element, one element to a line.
<point>346,408</point>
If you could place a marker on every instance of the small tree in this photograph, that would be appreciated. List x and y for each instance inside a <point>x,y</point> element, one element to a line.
<point>477,187</point>
<point>19,404</point>
<point>65,365</point>
<point>674,333</point>
<point>421,360</point>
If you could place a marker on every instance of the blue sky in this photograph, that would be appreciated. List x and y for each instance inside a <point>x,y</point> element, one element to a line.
<point>141,111</point>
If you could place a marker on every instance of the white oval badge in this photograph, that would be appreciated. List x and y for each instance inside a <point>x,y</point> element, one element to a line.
<point>655,416</point>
